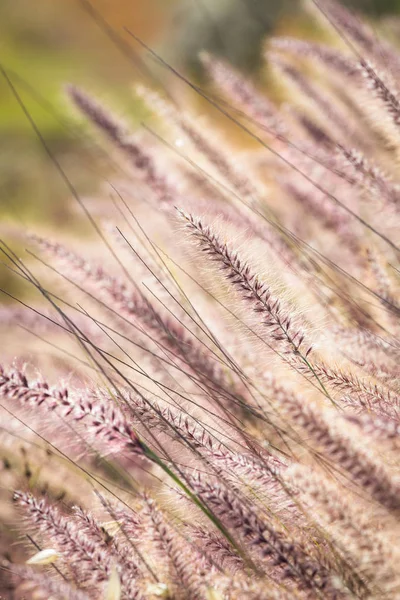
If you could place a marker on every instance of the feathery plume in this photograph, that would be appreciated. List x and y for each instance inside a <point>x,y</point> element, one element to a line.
<point>179,553</point>
<point>105,420</point>
<point>276,319</point>
<point>31,581</point>
<point>350,531</point>
<point>345,452</point>
<point>243,93</point>
<point>89,560</point>
<point>119,134</point>
<point>263,537</point>
<point>329,57</point>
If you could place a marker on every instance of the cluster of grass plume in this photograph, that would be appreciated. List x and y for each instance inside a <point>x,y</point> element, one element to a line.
<point>210,408</point>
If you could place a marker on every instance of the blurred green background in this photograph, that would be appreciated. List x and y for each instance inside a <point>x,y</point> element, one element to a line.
<point>46,43</point>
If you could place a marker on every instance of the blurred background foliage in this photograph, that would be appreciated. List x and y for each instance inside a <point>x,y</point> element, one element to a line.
<point>236,28</point>
<point>46,43</point>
